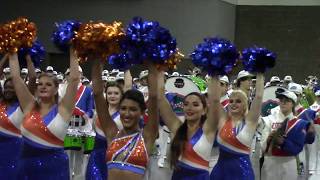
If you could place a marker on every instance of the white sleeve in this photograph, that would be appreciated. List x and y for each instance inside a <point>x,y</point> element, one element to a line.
<point>245,136</point>
<point>58,127</point>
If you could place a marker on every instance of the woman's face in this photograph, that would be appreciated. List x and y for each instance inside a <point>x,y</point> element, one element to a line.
<point>193,108</point>
<point>46,87</point>
<point>130,114</point>
<point>286,105</point>
<point>8,91</point>
<point>236,104</point>
<point>113,95</point>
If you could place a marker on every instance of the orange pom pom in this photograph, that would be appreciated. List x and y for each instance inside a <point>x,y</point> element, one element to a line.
<point>98,40</point>
<point>17,34</point>
<point>172,62</point>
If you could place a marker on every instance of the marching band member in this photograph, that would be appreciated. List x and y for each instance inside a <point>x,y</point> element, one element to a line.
<point>314,167</point>
<point>45,123</point>
<point>236,130</point>
<point>244,81</point>
<point>283,138</point>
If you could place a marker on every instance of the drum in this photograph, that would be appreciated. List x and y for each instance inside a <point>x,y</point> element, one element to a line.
<point>73,142</point>
<point>201,83</point>
<point>269,100</point>
<point>181,85</point>
<point>88,144</point>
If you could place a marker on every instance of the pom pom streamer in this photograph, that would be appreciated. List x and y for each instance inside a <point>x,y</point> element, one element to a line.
<point>120,61</point>
<point>64,33</point>
<point>147,40</point>
<point>217,56</point>
<point>98,40</point>
<point>257,59</point>
<point>173,60</point>
<point>36,52</point>
<point>17,34</point>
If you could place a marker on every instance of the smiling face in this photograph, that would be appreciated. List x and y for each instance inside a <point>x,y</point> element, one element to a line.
<point>113,95</point>
<point>238,103</point>
<point>193,108</point>
<point>130,113</point>
<point>47,88</point>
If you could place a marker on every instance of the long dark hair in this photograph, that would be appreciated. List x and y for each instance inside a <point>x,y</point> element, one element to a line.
<point>181,136</point>
<point>56,84</point>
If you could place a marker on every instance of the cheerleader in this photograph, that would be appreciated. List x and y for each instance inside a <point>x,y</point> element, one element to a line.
<point>224,100</point>
<point>129,148</point>
<point>283,138</point>
<point>10,135</point>
<point>193,139</point>
<point>45,123</point>
<point>236,130</point>
<point>97,168</point>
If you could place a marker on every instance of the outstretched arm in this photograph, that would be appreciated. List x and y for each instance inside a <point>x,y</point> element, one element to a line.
<point>167,114</point>
<point>68,101</point>
<point>25,97</point>
<point>254,113</point>
<point>31,75</point>
<point>127,80</point>
<point>215,109</point>
<point>109,127</point>
<point>151,129</point>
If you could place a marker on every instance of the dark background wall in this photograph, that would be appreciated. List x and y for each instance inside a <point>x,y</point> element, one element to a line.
<point>292,32</point>
<point>188,20</point>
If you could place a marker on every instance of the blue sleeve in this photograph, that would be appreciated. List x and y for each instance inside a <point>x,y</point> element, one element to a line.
<point>294,143</point>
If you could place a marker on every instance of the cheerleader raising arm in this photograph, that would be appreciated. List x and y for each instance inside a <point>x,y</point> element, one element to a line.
<point>68,101</point>
<point>215,110</point>
<point>166,112</point>
<point>254,113</point>
<point>26,99</point>
<point>32,84</point>
<point>151,129</point>
<point>109,127</point>
<point>127,80</point>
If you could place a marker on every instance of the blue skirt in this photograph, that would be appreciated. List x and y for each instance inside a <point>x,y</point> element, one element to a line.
<point>186,172</point>
<point>97,167</point>
<point>10,152</point>
<point>232,166</point>
<point>40,162</point>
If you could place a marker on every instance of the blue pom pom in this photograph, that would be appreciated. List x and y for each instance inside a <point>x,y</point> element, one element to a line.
<point>257,59</point>
<point>64,33</point>
<point>147,40</point>
<point>217,56</point>
<point>36,52</point>
<point>120,61</point>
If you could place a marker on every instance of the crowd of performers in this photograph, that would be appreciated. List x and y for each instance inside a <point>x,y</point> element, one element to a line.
<point>156,126</point>
<point>216,136</point>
